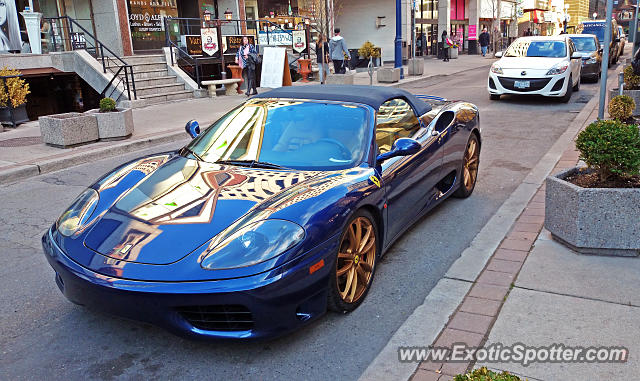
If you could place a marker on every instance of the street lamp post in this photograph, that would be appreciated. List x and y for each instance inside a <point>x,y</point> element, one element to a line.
<point>605,58</point>
<point>398,40</point>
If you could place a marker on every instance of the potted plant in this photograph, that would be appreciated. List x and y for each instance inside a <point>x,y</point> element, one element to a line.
<point>621,108</point>
<point>13,97</point>
<point>113,123</point>
<point>595,210</point>
<point>68,129</point>
<point>370,52</point>
<point>631,88</point>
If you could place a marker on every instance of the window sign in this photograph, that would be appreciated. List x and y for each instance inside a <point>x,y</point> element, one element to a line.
<point>146,19</point>
<point>278,38</point>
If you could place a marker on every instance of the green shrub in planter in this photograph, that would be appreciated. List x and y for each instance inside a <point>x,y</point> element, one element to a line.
<point>621,107</point>
<point>107,105</point>
<point>631,80</point>
<point>484,374</point>
<point>611,148</point>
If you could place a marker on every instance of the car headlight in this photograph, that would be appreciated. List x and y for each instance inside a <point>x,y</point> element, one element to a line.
<point>77,215</point>
<point>252,244</point>
<point>558,68</point>
<point>496,69</point>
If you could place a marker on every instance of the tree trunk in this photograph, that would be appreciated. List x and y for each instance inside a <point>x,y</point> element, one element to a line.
<point>496,26</point>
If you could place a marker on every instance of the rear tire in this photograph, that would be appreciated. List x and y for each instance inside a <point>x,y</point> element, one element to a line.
<point>494,97</point>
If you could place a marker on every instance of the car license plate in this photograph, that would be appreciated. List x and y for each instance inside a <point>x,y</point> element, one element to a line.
<point>522,84</point>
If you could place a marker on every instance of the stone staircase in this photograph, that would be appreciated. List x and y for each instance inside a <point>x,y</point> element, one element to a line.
<point>152,79</point>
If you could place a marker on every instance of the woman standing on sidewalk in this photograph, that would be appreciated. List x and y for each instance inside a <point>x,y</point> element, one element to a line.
<point>248,69</point>
<point>445,46</point>
<point>322,54</point>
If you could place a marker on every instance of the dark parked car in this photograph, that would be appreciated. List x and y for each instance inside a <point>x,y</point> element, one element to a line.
<point>589,47</point>
<point>275,213</point>
<point>597,27</point>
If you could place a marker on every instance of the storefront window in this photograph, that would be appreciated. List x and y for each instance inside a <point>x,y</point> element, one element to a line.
<point>146,22</point>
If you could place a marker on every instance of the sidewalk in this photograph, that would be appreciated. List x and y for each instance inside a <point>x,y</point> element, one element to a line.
<point>22,153</point>
<point>534,290</point>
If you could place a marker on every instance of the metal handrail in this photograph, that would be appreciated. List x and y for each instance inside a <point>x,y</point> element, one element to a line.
<point>99,48</point>
<point>184,53</point>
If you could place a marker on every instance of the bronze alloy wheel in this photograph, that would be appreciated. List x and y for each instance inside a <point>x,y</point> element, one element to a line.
<point>470,169</point>
<point>356,260</point>
<point>470,162</point>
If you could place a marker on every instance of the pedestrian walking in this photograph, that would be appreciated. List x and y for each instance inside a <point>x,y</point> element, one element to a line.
<point>338,50</point>
<point>445,46</point>
<point>248,68</point>
<point>322,54</point>
<point>484,41</point>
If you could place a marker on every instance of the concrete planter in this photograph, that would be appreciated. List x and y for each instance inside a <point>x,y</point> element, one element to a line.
<point>68,130</point>
<point>114,125</point>
<point>635,94</point>
<point>340,79</point>
<point>453,53</point>
<point>416,66</point>
<point>388,75</point>
<point>602,221</point>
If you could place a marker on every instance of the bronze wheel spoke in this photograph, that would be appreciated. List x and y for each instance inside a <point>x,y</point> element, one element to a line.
<point>344,269</point>
<point>362,277</point>
<point>352,239</point>
<point>345,256</point>
<point>368,246</point>
<point>365,240</point>
<point>358,233</point>
<point>467,177</point>
<point>354,285</point>
<point>366,266</point>
<point>347,287</point>
<point>472,148</point>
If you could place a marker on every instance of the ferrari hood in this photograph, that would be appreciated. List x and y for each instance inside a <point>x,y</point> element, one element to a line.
<point>528,62</point>
<point>180,205</point>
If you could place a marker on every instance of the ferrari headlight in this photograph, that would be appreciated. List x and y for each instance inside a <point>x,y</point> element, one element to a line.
<point>496,69</point>
<point>78,213</point>
<point>558,68</point>
<point>252,244</point>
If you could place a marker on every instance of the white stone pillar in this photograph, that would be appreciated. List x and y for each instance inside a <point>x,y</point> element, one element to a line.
<point>32,23</point>
<point>474,19</point>
<point>444,18</point>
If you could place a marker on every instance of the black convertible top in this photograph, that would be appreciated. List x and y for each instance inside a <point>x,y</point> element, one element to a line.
<point>373,96</point>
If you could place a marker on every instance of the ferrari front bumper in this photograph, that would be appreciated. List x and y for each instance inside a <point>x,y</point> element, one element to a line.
<point>260,306</point>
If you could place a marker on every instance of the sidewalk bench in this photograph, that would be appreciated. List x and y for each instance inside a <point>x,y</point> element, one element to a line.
<point>231,86</point>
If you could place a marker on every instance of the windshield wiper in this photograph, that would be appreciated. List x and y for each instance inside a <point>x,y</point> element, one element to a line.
<point>252,164</point>
<point>187,150</point>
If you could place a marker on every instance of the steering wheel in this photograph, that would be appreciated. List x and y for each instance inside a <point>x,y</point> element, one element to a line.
<point>344,151</point>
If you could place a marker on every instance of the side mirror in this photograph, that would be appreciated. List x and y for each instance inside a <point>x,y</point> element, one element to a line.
<point>498,55</point>
<point>401,147</point>
<point>576,56</point>
<point>192,128</point>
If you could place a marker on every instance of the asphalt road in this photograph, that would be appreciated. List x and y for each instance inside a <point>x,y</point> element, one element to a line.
<point>43,336</point>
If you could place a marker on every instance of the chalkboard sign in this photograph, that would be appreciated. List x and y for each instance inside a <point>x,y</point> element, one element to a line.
<point>194,45</point>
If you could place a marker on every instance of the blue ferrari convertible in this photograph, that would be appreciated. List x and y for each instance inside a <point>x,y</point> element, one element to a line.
<point>275,213</point>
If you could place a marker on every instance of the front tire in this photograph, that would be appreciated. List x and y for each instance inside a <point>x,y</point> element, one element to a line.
<point>577,86</point>
<point>494,97</point>
<point>355,263</point>
<point>469,172</point>
<point>567,95</point>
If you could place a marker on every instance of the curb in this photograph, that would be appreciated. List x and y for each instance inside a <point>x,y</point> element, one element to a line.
<point>478,311</point>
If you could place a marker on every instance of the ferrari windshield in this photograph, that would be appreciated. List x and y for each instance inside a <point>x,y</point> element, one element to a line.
<point>585,44</point>
<point>537,48</point>
<point>274,133</point>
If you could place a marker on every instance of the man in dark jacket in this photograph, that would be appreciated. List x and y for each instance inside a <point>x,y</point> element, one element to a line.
<point>484,41</point>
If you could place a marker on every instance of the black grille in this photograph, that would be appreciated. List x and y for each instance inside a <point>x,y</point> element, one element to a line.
<point>558,85</point>
<point>218,318</point>
<point>492,85</point>
<point>535,84</point>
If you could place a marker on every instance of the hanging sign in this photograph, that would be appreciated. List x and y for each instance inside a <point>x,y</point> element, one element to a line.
<point>234,42</point>
<point>209,38</point>
<point>279,38</point>
<point>299,40</point>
